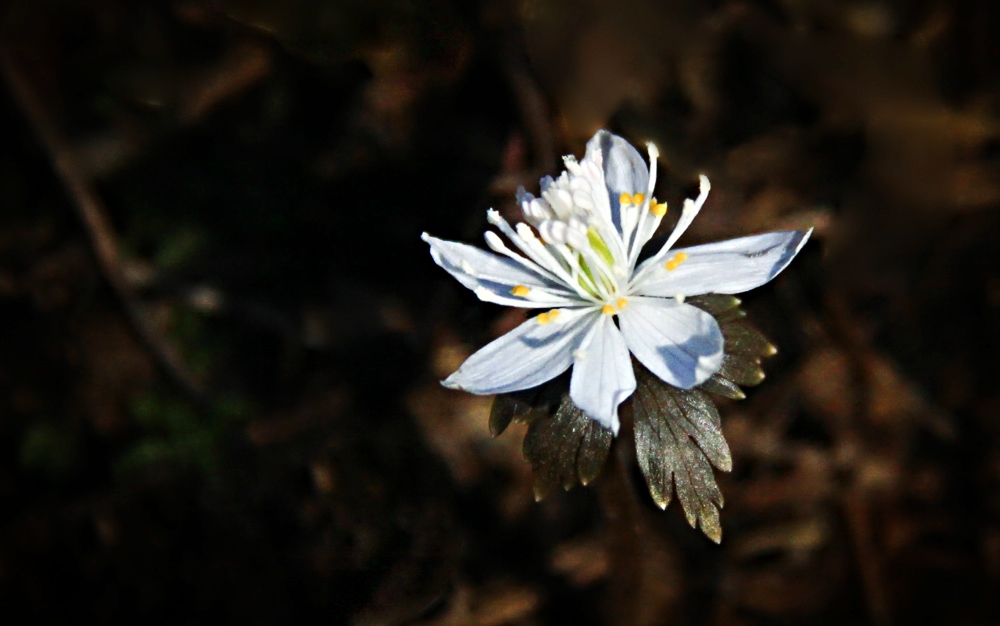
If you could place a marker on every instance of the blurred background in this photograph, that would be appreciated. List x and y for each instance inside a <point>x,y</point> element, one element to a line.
<point>221,336</point>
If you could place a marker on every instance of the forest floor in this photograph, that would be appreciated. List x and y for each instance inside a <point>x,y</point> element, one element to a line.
<point>221,337</point>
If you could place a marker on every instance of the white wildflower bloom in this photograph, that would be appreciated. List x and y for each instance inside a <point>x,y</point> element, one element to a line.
<point>576,258</point>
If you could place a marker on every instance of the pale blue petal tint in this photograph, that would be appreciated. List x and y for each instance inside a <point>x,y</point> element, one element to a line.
<point>492,277</point>
<point>732,266</point>
<point>602,373</point>
<point>529,355</point>
<point>679,343</point>
<point>523,195</point>
<point>624,169</point>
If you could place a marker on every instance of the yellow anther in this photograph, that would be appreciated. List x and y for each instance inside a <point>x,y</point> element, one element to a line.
<point>638,198</point>
<point>621,303</point>
<point>607,309</point>
<point>543,318</point>
<point>520,291</point>
<point>675,261</point>
<point>659,210</point>
<point>625,198</point>
<point>553,314</point>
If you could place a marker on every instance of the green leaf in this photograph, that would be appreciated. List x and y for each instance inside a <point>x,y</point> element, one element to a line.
<point>565,448</point>
<point>678,432</point>
<point>745,347</point>
<point>678,437</point>
<point>743,339</point>
<point>741,370</point>
<point>505,409</point>
<point>730,315</point>
<point>723,387</point>
<point>714,303</point>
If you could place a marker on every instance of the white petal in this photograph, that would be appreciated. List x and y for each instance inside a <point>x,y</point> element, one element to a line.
<point>602,374</point>
<point>679,343</point>
<point>593,171</point>
<point>624,169</point>
<point>732,266</point>
<point>493,277</point>
<point>527,356</point>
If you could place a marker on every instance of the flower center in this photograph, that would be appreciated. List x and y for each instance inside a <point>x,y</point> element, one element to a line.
<point>586,239</point>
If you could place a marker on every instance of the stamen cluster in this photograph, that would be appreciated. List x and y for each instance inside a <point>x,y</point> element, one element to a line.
<point>576,256</point>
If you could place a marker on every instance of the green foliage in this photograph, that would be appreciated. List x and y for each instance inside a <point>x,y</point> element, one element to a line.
<point>565,448</point>
<point>678,438</point>
<point>178,436</point>
<point>178,247</point>
<point>51,448</point>
<point>188,332</point>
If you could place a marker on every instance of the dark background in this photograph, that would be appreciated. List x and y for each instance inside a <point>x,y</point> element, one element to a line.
<point>220,333</point>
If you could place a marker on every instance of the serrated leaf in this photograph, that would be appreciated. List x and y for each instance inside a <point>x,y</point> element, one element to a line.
<point>723,387</point>
<point>565,448</point>
<point>505,409</point>
<point>741,370</point>
<point>745,347</point>
<point>732,315</point>
<point>714,303</point>
<point>743,339</point>
<point>679,438</point>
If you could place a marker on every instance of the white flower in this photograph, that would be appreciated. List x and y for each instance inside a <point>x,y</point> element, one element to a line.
<point>576,259</point>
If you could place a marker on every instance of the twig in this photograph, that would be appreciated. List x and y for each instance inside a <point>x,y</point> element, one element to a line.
<point>93,216</point>
<point>239,70</point>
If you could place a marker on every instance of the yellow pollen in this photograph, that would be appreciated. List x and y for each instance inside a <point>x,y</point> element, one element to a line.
<point>543,318</point>
<point>607,309</point>
<point>675,261</point>
<point>553,314</point>
<point>659,210</point>
<point>520,291</point>
<point>638,198</point>
<point>625,198</point>
<point>621,303</point>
